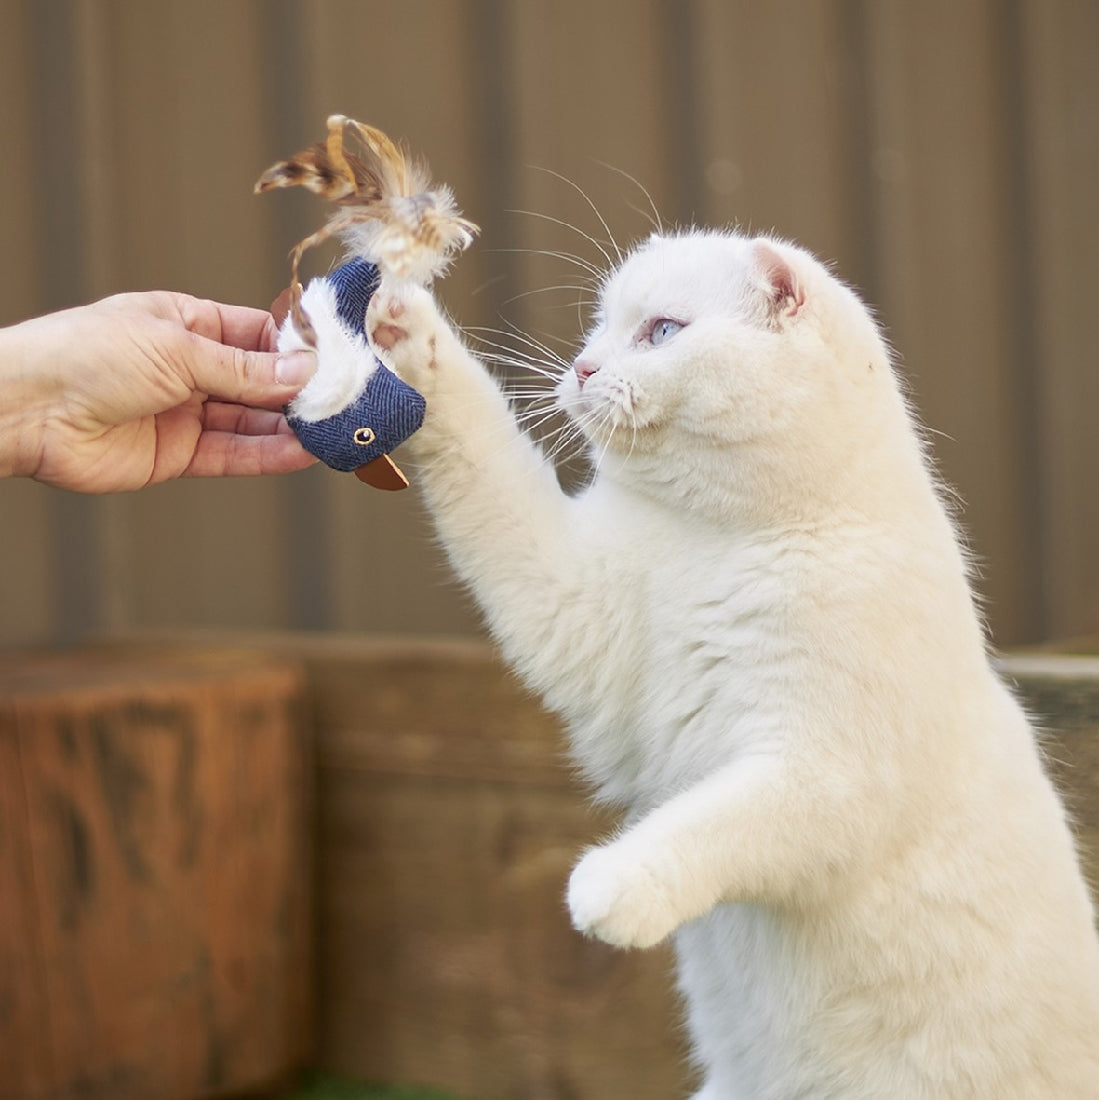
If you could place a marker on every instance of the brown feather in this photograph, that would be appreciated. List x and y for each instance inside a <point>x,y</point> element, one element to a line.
<point>388,211</point>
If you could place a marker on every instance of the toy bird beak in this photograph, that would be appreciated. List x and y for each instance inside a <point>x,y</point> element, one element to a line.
<point>382,473</point>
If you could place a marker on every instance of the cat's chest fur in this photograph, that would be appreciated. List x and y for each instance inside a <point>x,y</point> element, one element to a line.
<point>696,635</point>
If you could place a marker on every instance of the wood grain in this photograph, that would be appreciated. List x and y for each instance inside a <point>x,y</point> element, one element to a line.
<point>448,821</point>
<point>447,829</point>
<point>1062,692</point>
<point>154,876</point>
<point>1059,92</point>
<point>945,155</point>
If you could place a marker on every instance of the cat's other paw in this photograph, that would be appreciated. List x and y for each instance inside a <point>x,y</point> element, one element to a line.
<point>403,324</point>
<point>617,898</point>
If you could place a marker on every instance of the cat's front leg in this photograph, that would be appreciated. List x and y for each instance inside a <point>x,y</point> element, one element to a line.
<point>618,896</point>
<point>761,830</point>
<point>507,526</point>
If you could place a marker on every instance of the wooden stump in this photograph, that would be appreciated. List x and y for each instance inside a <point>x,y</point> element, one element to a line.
<point>447,823</point>
<point>154,875</point>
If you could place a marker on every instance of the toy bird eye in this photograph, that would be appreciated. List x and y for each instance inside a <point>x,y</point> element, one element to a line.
<point>663,330</point>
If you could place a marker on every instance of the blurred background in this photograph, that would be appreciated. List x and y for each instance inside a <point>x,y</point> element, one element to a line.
<point>944,154</point>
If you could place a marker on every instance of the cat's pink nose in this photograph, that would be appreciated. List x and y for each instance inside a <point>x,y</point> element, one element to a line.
<point>584,369</point>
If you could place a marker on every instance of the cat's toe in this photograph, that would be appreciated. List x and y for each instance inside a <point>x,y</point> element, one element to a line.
<point>401,323</point>
<point>618,899</point>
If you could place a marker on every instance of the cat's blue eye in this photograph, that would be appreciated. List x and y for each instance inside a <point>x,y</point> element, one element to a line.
<point>663,330</point>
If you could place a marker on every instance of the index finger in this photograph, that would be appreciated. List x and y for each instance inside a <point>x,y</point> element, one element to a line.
<point>237,326</point>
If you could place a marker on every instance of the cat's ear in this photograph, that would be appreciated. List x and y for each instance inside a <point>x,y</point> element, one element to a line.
<point>778,279</point>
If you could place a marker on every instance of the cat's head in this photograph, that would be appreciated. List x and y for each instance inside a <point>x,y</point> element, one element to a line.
<point>740,361</point>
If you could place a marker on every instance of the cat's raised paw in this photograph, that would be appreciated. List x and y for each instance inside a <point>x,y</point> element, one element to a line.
<point>618,899</point>
<point>402,325</point>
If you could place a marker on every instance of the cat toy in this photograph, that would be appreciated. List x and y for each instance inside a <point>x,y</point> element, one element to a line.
<point>396,226</point>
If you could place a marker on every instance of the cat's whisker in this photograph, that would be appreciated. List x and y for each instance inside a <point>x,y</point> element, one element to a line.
<point>535,414</point>
<point>576,229</point>
<point>529,390</point>
<point>590,294</point>
<point>563,436</point>
<point>657,227</point>
<point>597,273</point>
<point>514,332</point>
<point>582,429</point>
<point>652,214</point>
<point>485,338</point>
<point>508,444</point>
<point>633,439</point>
<point>569,257</point>
<point>567,448</point>
<point>595,210</point>
<point>590,458</point>
<point>511,333</point>
<point>607,420</point>
<point>581,300</point>
<point>516,362</point>
<point>548,363</point>
<point>508,356</point>
<point>532,388</point>
<point>578,306</point>
<point>532,395</point>
<point>556,431</point>
<point>492,281</point>
<point>518,371</point>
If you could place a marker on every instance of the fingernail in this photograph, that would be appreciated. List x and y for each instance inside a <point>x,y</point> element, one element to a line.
<point>296,368</point>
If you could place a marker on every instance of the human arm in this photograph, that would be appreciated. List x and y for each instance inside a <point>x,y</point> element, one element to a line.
<point>140,388</point>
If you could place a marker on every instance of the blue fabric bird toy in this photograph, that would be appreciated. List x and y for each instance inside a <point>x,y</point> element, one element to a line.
<point>396,226</point>
<point>354,411</point>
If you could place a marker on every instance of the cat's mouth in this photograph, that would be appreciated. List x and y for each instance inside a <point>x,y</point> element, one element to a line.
<point>603,405</point>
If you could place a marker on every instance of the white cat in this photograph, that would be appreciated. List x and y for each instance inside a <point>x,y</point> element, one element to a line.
<point>757,624</point>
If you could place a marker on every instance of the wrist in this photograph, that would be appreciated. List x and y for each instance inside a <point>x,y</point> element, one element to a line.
<point>25,400</point>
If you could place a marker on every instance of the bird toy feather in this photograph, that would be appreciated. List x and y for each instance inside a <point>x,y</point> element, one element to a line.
<point>388,211</point>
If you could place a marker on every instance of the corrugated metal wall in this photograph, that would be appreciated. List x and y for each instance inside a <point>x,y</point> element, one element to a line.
<point>945,154</point>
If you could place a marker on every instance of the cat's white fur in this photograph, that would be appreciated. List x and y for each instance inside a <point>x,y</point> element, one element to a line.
<point>758,626</point>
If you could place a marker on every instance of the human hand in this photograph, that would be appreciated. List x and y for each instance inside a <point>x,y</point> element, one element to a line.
<point>140,388</point>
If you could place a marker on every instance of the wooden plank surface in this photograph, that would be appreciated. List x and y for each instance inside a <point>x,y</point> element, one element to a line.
<point>447,828</point>
<point>448,822</point>
<point>768,69</point>
<point>408,69</point>
<point>447,825</point>
<point>448,958</point>
<point>27,583</point>
<point>1062,693</point>
<point>948,294</point>
<point>190,141</point>
<point>20,287</point>
<point>566,68</point>
<point>26,1049</point>
<point>156,840</point>
<point>945,156</point>
<point>1060,93</point>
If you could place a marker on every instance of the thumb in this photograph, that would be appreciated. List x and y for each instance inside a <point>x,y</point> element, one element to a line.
<point>260,378</point>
